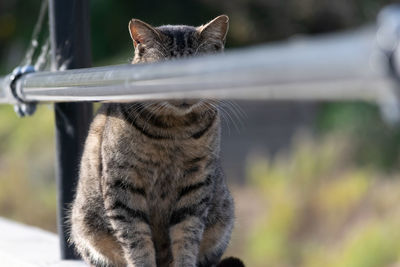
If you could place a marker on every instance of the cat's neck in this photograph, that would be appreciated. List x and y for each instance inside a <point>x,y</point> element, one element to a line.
<point>193,125</point>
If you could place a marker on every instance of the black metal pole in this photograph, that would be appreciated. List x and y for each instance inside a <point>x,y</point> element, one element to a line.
<point>70,40</point>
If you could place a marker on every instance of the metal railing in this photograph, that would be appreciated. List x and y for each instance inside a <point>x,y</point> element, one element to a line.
<point>355,65</point>
<point>344,66</point>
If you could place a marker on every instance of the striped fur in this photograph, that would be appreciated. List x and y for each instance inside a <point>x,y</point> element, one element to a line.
<point>151,190</point>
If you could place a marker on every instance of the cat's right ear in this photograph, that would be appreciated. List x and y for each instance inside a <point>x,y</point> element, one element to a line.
<point>142,32</point>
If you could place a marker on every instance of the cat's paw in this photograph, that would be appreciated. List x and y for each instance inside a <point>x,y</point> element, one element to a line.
<point>231,262</point>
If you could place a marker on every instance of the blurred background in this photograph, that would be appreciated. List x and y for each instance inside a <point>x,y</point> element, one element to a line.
<point>315,184</point>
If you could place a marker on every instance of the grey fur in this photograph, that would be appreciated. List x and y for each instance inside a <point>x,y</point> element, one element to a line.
<point>151,190</point>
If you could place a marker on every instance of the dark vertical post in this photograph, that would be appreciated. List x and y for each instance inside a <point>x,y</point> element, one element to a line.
<point>70,40</point>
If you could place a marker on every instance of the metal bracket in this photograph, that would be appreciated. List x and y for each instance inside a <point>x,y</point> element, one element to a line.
<point>21,107</point>
<point>388,42</point>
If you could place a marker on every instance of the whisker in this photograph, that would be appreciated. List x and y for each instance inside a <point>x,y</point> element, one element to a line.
<point>230,107</point>
<point>226,119</point>
<point>221,112</point>
<point>238,108</point>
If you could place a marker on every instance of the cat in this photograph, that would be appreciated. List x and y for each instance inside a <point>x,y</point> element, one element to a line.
<point>151,191</point>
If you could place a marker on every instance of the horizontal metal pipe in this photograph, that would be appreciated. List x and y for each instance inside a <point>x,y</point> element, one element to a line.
<point>3,96</point>
<point>332,67</point>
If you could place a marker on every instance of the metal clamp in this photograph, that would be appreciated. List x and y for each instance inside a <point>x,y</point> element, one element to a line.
<point>388,41</point>
<point>21,107</point>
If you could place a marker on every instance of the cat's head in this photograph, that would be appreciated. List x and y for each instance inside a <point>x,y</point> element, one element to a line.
<point>174,41</point>
<point>153,44</point>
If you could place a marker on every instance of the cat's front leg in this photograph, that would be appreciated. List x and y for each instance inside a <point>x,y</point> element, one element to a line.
<point>186,231</point>
<point>130,222</point>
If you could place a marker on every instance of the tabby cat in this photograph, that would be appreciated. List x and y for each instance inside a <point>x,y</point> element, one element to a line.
<point>151,190</point>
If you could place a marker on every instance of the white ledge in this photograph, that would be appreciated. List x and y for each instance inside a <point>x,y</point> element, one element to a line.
<point>22,245</point>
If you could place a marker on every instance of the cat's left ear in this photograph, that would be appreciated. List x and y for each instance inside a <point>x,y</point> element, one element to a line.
<point>141,32</point>
<point>216,29</point>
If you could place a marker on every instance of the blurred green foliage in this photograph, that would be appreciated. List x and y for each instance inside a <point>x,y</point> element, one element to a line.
<point>27,186</point>
<point>319,209</point>
<point>375,142</point>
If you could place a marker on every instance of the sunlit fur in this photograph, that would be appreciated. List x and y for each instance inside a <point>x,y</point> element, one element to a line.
<point>151,190</point>
<point>176,42</point>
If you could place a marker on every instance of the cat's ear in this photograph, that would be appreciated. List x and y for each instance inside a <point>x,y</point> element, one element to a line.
<point>216,29</point>
<point>141,32</point>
